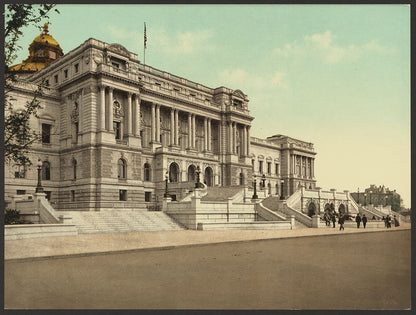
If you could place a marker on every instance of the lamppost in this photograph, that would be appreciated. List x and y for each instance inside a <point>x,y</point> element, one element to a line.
<point>166,184</point>
<point>255,189</point>
<point>370,196</point>
<point>39,188</point>
<point>281,189</point>
<point>263,179</point>
<point>358,195</point>
<point>365,199</point>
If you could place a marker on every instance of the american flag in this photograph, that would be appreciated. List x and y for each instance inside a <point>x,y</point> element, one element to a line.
<point>145,36</point>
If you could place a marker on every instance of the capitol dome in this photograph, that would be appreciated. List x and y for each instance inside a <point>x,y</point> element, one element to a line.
<point>43,50</point>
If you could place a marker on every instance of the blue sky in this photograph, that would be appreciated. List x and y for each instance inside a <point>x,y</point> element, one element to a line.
<point>334,75</point>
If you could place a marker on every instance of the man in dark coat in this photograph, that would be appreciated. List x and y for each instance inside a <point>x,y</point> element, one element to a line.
<point>333,220</point>
<point>341,222</point>
<point>364,219</point>
<point>358,220</point>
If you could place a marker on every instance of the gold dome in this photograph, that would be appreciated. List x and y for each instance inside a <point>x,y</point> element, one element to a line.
<point>43,50</point>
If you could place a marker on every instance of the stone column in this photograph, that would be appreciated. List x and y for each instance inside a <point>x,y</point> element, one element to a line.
<point>234,138</point>
<point>193,130</point>
<point>102,107</point>
<point>129,115</point>
<point>313,167</point>
<point>110,109</point>
<point>153,122</point>
<point>137,115</point>
<point>205,134</point>
<point>230,137</point>
<point>209,135</point>
<point>189,130</point>
<point>176,127</point>
<point>172,126</point>
<point>244,142</point>
<point>157,123</point>
<point>248,140</point>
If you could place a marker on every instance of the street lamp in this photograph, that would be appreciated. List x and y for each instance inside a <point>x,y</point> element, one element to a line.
<point>39,188</point>
<point>166,184</point>
<point>365,199</point>
<point>358,195</point>
<point>263,178</point>
<point>198,172</point>
<point>281,189</point>
<point>255,189</point>
<point>370,196</point>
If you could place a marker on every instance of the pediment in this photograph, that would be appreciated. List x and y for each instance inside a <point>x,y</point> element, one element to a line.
<point>239,93</point>
<point>117,48</point>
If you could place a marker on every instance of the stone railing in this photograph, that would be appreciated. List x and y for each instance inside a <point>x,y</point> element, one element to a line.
<point>268,214</point>
<point>294,199</point>
<point>299,216</point>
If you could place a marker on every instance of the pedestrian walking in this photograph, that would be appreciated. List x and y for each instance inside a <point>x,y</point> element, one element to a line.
<point>396,222</point>
<point>358,220</point>
<point>333,220</point>
<point>341,222</point>
<point>364,219</point>
<point>385,221</point>
<point>388,221</point>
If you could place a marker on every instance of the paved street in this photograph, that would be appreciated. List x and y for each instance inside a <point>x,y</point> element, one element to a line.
<point>350,271</point>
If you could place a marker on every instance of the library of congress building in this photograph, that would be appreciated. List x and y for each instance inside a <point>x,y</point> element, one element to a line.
<point>115,133</point>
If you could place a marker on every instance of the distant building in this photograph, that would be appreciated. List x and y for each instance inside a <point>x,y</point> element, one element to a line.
<point>113,130</point>
<point>378,196</point>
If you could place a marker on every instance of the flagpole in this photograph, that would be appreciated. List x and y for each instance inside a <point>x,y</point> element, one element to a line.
<point>144,44</point>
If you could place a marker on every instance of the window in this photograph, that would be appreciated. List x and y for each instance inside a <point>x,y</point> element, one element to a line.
<point>252,163</point>
<point>72,195</point>
<point>65,74</point>
<point>74,168</point>
<point>115,65</point>
<point>56,78</point>
<point>146,172</point>
<point>147,196</point>
<point>46,170</point>
<point>117,129</point>
<point>123,195</point>
<point>76,67</point>
<point>260,166</point>
<point>269,167</point>
<point>122,169</point>
<point>21,192</point>
<point>21,172</point>
<point>276,169</point>
<point>76,127</point>
<point>46,133</point>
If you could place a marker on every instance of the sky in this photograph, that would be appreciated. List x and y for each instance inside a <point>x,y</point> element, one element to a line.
<point>334,75</point>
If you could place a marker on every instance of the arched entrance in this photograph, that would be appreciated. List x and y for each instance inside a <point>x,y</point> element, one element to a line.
<point>311,209</point>
<point>329,208</point>
<point>208,176</point>
<point>173,173</point>
<point>191,173</point>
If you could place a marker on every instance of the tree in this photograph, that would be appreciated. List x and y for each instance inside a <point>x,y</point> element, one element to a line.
<point>18,135</point>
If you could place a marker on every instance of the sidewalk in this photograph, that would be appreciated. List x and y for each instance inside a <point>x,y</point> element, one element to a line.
<point>84,244</point>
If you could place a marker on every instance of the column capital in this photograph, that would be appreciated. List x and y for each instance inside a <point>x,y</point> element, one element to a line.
<point>110,89</point>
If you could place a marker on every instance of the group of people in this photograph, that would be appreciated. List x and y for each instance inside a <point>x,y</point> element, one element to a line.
<point>387,221</point>
<point>331,218</point>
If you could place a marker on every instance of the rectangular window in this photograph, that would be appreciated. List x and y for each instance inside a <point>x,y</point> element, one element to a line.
<point>276,169</point>
<point>72,195</point>
<point>76,67</point>
<point>269,167</point>
<point>260,166</point>
<point>65,74</point>
<point>21,172</point>
<point>117,129</point>
<point>46,133</point>
<point>123,195</point>
<point>147,196</point>
<point>21,192</point>
<point>56,78</point>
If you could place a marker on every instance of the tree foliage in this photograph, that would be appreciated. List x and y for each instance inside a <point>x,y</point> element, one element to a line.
<point>18,135</point>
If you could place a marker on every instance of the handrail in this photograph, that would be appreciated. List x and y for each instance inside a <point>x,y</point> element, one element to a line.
<point>269,213</point>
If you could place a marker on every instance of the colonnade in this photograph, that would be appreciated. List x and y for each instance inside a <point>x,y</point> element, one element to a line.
<point>233,128</point>
<point>304,161</point>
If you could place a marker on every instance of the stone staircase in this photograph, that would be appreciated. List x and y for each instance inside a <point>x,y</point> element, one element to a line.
<point>222,193</point>
<point>273,203</point>
<point>122,221</point>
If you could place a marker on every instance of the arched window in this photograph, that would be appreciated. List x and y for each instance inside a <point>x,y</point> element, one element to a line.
<point>241,179</point>
<point>46,170</point>
<point>147,170</point>
<point>191,173</point>
<point>74,168</point>
<point>208,176</point>
<point>173,173</point>
<point>122,169</point>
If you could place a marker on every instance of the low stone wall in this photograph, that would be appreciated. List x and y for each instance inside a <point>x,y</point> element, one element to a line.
<point>20,231</point>
<point>370,224</point>
<point>266,225</point>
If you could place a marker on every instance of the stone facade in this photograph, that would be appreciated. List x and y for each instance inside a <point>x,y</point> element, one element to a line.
<point>113,130</point>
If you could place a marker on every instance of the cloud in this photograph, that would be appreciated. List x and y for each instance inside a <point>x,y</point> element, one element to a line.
<point>322,45</point>
<point>241,79</point>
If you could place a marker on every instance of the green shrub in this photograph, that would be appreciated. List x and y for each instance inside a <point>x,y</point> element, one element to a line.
<point>12,216</point>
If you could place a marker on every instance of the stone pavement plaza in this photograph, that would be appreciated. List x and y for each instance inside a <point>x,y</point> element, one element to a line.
<point>102,243</point>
